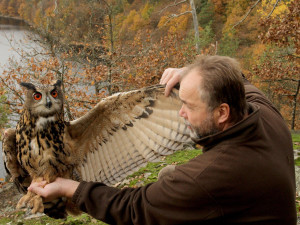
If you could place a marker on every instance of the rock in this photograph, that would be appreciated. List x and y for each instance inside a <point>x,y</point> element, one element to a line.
<point>32,216</point>
<point>297,174</point>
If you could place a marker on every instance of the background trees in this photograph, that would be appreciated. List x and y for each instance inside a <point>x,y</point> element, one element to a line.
<point>104,46</point>
<point>278,68</point>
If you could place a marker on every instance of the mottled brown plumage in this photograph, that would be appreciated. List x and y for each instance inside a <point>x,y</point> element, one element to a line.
<point>118,136</point>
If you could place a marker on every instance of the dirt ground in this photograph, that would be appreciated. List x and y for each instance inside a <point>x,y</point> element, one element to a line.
<point>9,197</point>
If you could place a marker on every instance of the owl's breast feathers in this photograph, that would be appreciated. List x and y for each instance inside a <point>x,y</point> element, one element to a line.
<point>40,146</point>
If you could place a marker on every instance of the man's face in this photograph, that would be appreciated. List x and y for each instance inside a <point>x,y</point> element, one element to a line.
<point>194,110</point>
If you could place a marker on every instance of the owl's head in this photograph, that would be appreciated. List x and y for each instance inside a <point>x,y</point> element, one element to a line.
<point>44,100</point>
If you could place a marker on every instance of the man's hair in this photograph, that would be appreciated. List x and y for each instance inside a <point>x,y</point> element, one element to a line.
<point>221,83</point>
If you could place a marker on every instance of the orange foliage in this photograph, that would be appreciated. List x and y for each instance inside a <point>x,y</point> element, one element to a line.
<point>143,42</point>
<point>280,65</point>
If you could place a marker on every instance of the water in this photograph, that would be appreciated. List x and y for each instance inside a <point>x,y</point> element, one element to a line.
<point>11,32</point>
<point>14,35</point>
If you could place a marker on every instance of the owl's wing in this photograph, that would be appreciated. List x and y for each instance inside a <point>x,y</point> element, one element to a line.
<point>11,164</point>
<point>125,131</point>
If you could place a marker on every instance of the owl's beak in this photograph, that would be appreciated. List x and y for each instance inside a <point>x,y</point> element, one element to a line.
<point>48,103</point>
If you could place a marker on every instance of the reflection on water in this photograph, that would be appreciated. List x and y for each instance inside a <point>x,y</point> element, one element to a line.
<point>11,32</point>
<point>12,22</point>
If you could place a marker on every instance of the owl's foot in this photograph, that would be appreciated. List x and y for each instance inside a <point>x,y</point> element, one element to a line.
<point>36,203</point>
<point>33,201</point>
<point>24,200</point>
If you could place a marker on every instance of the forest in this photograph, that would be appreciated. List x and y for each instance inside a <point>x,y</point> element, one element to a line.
<point>99,47</point>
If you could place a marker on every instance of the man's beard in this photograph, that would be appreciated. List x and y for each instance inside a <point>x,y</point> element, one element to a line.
<point>207,128</point>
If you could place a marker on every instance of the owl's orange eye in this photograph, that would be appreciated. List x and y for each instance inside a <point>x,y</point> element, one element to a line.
<point>37,96</point>
<point>54,93</point>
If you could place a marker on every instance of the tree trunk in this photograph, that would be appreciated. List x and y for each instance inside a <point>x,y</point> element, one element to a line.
<point>195,23</point>
<point>112,51</point>
<point>295,106</point>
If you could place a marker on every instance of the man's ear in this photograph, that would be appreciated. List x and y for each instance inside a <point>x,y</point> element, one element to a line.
<point>222,114</point>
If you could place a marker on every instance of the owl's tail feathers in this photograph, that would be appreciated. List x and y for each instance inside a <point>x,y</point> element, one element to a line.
<point>59,208</point>
<point>56,208</point>
<point>72,208</point>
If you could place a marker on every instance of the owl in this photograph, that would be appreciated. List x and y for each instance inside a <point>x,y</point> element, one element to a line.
<point>117,137</point>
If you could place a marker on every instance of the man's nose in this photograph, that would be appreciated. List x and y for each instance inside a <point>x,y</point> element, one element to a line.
<point>182,112</point>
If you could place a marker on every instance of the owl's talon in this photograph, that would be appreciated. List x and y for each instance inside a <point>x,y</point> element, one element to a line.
<point>23,201</point>
<point>36,203</point>
<point>20,206</point>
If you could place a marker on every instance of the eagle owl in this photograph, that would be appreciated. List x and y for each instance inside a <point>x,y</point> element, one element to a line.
<point>117,137</point>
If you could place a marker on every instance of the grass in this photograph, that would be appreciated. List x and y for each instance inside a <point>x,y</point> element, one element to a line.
<point>296,145</point>
<point>149,173</point>
<point>144,176</point>
<point>296,140</point>
<point>70,220</point>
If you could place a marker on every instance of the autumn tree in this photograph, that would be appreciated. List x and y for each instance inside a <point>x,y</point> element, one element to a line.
<point>144,62</point>
<point>39,64</point>
<point>3,109</point>
<point>105,46</point>
<point>279,65</point>
<point>187,8</point>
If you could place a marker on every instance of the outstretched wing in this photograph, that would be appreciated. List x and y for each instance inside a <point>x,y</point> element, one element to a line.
<point>11,164</point>
<point>125,131</point>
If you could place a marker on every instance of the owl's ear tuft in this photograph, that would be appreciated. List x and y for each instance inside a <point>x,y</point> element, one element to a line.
<point>58,83</point>
<point>28,86</point>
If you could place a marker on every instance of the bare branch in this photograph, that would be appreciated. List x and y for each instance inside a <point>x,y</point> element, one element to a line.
<point>176,15</point>
<point>55,10</point>
<point>275,5</point>
<point>175,4</point>
<point>246,15</point>
<point>11,89</point>
<point>280,80</point>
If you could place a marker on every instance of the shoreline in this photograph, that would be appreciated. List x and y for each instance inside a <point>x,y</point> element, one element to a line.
<point>15,20</point>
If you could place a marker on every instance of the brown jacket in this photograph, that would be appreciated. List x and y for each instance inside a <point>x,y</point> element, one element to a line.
<point>245,176</point>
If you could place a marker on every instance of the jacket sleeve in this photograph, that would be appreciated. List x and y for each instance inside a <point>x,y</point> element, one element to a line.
<point>167,201</point>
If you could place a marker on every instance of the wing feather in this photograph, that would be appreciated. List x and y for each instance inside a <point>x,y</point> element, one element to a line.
<point>11,163</point>
<point>125,131</point>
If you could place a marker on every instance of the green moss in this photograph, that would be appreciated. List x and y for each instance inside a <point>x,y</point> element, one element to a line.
<point>181,157</point>
<point>4,220</point>
<point>296,140</point>
<point>296,145</point>
<point>70,220</point>
<point>149,173</point>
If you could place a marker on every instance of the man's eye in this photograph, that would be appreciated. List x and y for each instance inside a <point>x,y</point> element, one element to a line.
<point>190,107</point>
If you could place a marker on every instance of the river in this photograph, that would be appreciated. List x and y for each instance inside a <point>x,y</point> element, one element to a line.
<point>11,32</point>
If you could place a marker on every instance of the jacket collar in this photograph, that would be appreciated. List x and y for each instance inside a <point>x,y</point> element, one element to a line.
<point>236,133</point>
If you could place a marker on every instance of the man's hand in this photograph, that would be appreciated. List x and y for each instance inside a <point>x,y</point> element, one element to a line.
<point>59,188</point>
<point>171,77</point>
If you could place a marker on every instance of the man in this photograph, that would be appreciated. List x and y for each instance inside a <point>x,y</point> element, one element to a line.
<point>245,175</point>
